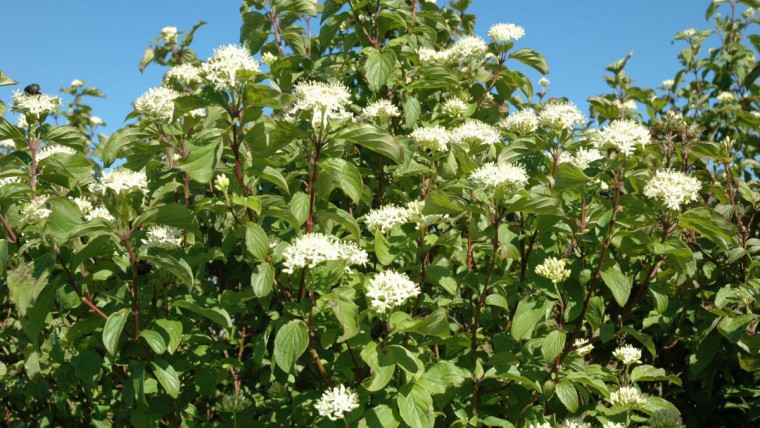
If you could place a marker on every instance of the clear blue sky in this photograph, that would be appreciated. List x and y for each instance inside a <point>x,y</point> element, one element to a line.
<point>101,42</point>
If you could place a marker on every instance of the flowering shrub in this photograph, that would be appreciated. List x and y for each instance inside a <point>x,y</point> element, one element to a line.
<point>383,224</point>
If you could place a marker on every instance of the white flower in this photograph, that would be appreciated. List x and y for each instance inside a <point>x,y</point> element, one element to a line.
<point>492,175</point>
<point>627,354</point>
<point>199,112</point>
<point>665,418</point>
<point>432,56</point>
<point>624,136</point>
<point>99,212</point>
<point>157,103</point>
<point>312,249</point>
<point>21,121</point>
<point>673,188</point>
<point>386,218</point>
<point>574,423</point>
<point>553,269</point>
<point>35,105</point>
<point>561,115</point>
<point>435,138</point>
<point>222,68</point>
<point>8,144</point>
<point>544,82</point>
<point>324,100</point>
<point>169,34</point>
<point>610,424</point>
<point>668,84</point>
<point>454,106</point>
<point>503,33</point>
<point>522,122</point>
<point>336,402</point>
<point>96,121</point>
<point>690,32</point>
<point>470,48</point>
<point>540,425</point>
<point>382,109</point>
<point>268,58</point>
<point>628,105</point>
<point>185,73</point>
<point>35,210</point>
<point>414,213</point>
<point>475,132</point>
<point>726,97</point>
<point>582,158</point>
<point>222,183</point>
<point>54,149</point>
<point>583,347</point>
<point>83,204</point>
<point>123,180</point>
<point>163,237</point>
<point>388,290</point>
<point>627,396</point>
<point>77,83</point>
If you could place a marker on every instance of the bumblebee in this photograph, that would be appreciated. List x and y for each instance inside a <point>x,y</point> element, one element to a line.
<point>33,89</point>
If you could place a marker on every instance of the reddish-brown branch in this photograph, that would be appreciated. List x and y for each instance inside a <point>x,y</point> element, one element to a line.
<point>134,291</point>
<point>11,235</point>
<point>86,300</point>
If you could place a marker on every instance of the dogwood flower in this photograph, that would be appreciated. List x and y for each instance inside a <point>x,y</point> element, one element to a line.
<point>388,290</point>
<point>673,188</point>
<point>492,175</point>
<point>553,269</point>
<point>336,402</point>
<point>221,70</point>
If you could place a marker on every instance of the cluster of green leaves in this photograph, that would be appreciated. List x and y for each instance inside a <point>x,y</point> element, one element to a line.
<point>103,329</point>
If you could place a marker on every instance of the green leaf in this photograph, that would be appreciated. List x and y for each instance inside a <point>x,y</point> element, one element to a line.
<point>217,315</point>
<point>373,138</point>
<point>166,376</point>
<point>5,80</point>
<point>256,241</point>
<point>711,225</point>
<point>154,340</point>
<point>532,59</point>
<point>380,416</point>
<point>347,314</point>
<point>533,203</point>
<point>122,138</point>
<point>567,395</point>
<point>177,267</point>
<point>442,375</point>
<point>9,131</point>
<point>262,280</point>
<point>378,68</point>
<point>201,161</point>
<point>382,364</point>
<point>251,202</point>
<point>65,135</point>
<point>87,365</point>
<point>618,283</point>
<point>64,218</point>
<point>290,343</point>
<point>569,176</point>
<point>112,330</point>
<point>171,330</point>
<point>175,215</point>
<point>527,316</point>
<point>553,344</point>
<point>346,175</point>
<point>732,328</point>
<point>416,406</point>
<point>439,202</point>
<point>406,360</point>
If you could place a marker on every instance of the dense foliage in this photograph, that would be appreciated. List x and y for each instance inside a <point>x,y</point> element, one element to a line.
<point>382,222</point>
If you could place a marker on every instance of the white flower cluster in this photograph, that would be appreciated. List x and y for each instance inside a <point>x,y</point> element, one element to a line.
<point>163,237</point>
<point>468,48</point>
<point>627,354</point>
<point>96,121</point>
<point>628,105</point>
<point>36,210</point>
<point>673,188</point>
<point>665,418</point>
<point>9,180</point>
<point>21,121</point>
<point>54,149</point>
<point>386,218</point>
<point>222,183</point>
<point>312,249</point>
<point>561,115</point>
<point>185,73</point>
<point>414,211</point>
<point>522,122</point>
<point>540,425</point>
<point>583,347</point>
<point>222,68</point>
<point>581,158</point>
<point>434,138</point>
<point>8,144</point>
<point>122,180</point>
<point>475,132</point>
<point>624,136</point>
<point>157,103</point>
<point>268,58</point>
<point>668,84</point>
<point>83,204</point>
<point>726,97</point>
<point>544,82</point>
<point>169,34</point>
<point>388,290</point>
<point>99,212</point>
<point>628,397</point>
<point>382,109</point>
<point>76,83</point>
<point>324,100</point>
<point>574,423</point>
<point>553,269</point>
<point>492,175</point>
<point>336,402</point>
<point>432,56</point>
<point>454,106</point>
<point>503,33</point>
<point>610,424</point>
<point>35,105</point>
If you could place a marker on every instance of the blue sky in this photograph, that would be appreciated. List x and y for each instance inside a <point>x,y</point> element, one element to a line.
<point>101,42</point>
